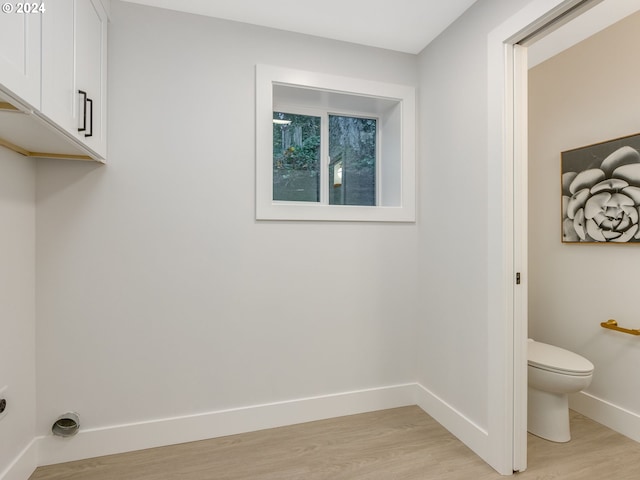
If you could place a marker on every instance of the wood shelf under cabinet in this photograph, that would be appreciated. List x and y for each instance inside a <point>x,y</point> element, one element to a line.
<point>31,136</point>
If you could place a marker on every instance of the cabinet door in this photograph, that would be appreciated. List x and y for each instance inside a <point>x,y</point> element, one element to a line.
<point>59,97</point>
<point>74,42</point>
<point>20,55</point>
<point>91,72</point>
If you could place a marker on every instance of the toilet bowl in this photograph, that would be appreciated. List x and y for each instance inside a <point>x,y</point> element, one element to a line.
<point>553,373</point>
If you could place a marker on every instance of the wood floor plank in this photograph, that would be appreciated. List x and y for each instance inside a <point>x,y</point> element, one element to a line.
<point>397,444</point>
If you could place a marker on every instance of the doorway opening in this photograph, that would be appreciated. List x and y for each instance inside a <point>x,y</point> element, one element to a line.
<point>531,32</point>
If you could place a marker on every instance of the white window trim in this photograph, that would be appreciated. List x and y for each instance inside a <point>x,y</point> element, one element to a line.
<point>267,209</point>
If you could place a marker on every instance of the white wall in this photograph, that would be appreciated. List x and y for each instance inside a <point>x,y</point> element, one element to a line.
<point>17,295</point>
<point>585,95</point>
<point>159,295</point>
<point>454,179</point>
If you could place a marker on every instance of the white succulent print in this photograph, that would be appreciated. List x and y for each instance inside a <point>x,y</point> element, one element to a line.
<point>602,204</point>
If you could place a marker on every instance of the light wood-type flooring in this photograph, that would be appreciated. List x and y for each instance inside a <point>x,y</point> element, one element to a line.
<point>397,444</point>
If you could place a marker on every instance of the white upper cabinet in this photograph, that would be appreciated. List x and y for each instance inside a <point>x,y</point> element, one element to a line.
<point>53,79</point>
<point>20,54</point>
<point>74,70</point>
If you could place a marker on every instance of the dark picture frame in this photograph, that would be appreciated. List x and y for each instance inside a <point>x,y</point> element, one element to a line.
<point>601,192</point>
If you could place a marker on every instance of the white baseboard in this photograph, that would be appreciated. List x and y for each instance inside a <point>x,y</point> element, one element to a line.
<point>137,436</point>
<point>472,435</point>
<point>123,438</point>
<point>97,442</point>
<point>24,465</point>
<point>616,418</point>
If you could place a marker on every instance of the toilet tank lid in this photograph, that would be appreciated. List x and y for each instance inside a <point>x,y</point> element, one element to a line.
<point>548,356</point>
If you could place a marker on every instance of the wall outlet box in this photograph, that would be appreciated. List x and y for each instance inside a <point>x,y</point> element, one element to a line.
<point>4,402</point>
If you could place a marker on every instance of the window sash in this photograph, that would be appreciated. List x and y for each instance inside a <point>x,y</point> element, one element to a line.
<point>324,148</point>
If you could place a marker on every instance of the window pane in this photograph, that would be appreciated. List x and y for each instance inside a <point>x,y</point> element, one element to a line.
<point>296,157</point>
<point>352,169</point>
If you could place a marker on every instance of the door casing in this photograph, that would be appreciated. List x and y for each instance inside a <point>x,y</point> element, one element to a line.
<point>507,218</point>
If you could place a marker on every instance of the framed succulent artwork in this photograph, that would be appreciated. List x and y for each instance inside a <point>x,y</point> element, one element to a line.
<point>601,192</point>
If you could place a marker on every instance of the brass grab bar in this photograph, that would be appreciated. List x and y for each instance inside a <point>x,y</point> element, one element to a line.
<point>613,325</point>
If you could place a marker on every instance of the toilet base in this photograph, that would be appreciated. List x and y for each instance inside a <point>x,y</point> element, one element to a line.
<point>548,415</point>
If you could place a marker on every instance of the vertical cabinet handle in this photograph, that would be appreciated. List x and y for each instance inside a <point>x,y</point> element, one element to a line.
<point>87,104</point>
<point>84,111</point>
<point>90,134</point>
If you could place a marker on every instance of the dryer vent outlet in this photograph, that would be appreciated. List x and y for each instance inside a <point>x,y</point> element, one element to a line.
<point>4,402</point>
<point>66,425</point>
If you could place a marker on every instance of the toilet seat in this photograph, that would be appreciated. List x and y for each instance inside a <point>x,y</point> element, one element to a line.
<point>558,360</point>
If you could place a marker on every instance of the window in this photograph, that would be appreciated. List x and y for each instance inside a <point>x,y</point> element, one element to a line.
<point>333,148</point>
<point>353,152</point>
<point>300,173</point>
<point>296,157</point>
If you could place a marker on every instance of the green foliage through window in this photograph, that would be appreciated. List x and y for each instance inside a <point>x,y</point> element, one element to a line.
<point>297,165</point>
<point>352,145</point>
<point>296,157</point>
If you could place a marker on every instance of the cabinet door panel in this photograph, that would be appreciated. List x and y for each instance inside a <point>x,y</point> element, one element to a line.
<point>74,58</point>
<point>91,28</point>
<point>20,56</point>
<point>59,100</point>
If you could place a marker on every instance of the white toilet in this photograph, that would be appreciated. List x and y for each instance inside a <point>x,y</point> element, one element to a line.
<point>553,374</point>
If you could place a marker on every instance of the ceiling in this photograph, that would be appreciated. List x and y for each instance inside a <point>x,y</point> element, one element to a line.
<point>402,25</point>
<point>588,23</point>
